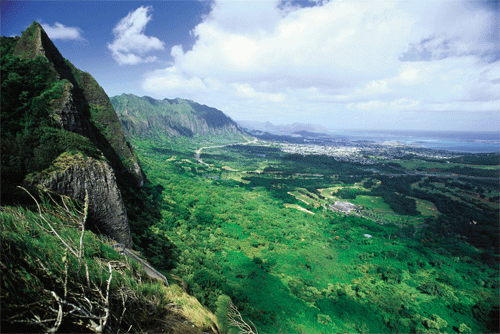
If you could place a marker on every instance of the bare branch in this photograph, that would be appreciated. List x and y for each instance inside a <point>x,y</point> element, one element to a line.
<point>59,314</point>
<point>39,209</point>
<point>236,320</point>
<point>51,228</point>
<point>84,219</point>
<point>103,321</point>
<point>65,260</point>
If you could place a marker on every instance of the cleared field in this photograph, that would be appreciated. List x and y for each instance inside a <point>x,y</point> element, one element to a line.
<point>427,208</point>
<point>376,203</point>
<point>302,197</point>
<point>298,207</point>
<point>327,192</point>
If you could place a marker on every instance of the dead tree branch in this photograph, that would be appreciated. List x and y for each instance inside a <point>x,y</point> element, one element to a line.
<point>236,320</point>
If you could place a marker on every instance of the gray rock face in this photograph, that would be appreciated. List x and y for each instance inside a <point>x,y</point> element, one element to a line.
<point>107,212</point>
<point>66,114</point>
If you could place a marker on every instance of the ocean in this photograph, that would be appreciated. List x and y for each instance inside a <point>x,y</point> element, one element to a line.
<point>454,141</point>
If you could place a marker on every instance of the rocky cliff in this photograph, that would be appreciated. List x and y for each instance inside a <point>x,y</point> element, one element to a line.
<point>77,176</point>
<point>170,118</point>
<point>61,132</point>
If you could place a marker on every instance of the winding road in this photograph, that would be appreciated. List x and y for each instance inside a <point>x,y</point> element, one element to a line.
<point>150,271</point>
<point>198,152</point>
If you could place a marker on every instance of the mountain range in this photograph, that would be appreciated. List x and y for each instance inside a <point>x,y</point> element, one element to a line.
<point>283,129</point>
<point>145,116</point>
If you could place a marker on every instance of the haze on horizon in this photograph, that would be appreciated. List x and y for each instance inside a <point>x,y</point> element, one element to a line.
<point>412,65</point>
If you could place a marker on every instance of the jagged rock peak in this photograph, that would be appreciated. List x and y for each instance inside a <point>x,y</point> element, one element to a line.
<point>35,42</point>
<point>78,104</point>
<point>83,104</point>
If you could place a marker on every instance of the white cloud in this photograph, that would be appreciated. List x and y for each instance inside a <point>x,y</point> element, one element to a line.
<point>171,79</point>
<point>404,103</point>
<point>379,57</point>
<point>60,31</point>
<point>375,104</point>
<point>131,44</point>
<point>338,39</point>
<point>246,91</point>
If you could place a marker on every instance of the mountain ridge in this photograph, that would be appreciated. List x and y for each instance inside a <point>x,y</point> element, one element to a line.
<point>287,129</point>
<point>170,117</point>
<point>68,121</point>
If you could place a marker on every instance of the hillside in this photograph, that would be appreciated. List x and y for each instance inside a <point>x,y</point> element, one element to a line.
<point>145,116</point>
<point>71,281</point>
<point>67,170</point>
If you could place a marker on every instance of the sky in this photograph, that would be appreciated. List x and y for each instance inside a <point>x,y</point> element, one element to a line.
<point>408,65</point>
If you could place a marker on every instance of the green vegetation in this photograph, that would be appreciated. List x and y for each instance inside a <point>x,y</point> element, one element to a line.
<point>252,226</point>
<point>58,277</point>
<point>161,119</point>
<point>31,139</point>
<point>251,229</point>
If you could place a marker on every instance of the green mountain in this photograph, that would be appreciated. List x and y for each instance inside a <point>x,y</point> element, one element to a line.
<point>145,116</point>
<point>60,132</point>
<point>67,169</point>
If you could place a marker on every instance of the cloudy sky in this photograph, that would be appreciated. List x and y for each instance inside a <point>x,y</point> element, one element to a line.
<point>432,65</point>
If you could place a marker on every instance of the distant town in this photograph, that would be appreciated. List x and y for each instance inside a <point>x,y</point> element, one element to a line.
<point>364,152</point>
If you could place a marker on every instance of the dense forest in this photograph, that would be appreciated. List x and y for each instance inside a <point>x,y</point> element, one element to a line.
<point>252,226</point>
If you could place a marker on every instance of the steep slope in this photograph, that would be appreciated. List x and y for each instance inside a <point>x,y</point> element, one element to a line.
<point>70,281</point>
<point>60,132</point>
<point>84,96</point>
<point>170,118</point>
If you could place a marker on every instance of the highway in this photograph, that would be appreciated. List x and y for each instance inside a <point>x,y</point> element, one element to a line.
<point>198,152</point>
<point>150,271</point>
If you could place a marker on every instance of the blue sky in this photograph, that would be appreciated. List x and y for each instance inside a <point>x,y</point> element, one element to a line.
<point>418,65</point>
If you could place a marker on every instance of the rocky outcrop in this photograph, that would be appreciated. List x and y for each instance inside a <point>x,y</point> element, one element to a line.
<point>66,113</point>
<point>76,174</point>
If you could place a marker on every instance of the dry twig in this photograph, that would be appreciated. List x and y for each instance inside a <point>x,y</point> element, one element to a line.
<point>236,320</point>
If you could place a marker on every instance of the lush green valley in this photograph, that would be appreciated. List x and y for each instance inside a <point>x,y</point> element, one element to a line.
<point>252,223</point>
<point>299,238</point>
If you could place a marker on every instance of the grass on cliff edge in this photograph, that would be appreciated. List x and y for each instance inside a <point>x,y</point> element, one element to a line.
<point>58,278</point>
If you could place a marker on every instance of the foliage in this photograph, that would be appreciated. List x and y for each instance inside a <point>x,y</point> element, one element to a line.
<point>222,313</point>
<point>57,277</point>
<point>31,140</point>
<point>160,119</point>
<point>293,271</point>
